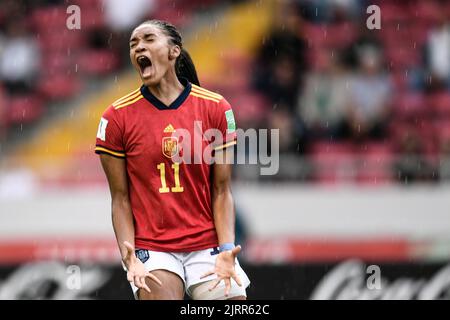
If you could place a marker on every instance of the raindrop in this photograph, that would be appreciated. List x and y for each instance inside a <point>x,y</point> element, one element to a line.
<point>76,67</point>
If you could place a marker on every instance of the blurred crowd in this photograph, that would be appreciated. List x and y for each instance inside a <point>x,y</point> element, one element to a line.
<point>352,104</point>
<point>371,106</point>
<point>44,61</point>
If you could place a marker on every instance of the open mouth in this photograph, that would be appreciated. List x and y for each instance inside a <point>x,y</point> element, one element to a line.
<point>145,64</point>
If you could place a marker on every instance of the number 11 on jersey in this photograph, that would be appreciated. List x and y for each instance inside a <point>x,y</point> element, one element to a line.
<point>162,173</point>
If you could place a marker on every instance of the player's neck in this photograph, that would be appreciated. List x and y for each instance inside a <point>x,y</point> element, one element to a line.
<point>167,90</point>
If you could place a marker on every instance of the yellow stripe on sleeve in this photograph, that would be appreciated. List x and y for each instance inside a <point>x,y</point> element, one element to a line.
<point>127,97</point>
<point>114,153</point>
<point>204,97</point>
<point>127,103</point>
<point>206,92</point>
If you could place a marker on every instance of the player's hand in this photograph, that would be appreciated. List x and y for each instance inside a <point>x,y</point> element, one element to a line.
<point>225,270</point>
<point>136,272</point>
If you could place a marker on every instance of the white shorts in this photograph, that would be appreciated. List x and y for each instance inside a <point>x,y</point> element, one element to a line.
<point>190,266</point>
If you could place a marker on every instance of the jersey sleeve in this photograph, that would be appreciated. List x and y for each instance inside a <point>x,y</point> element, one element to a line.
<point>225,122</point>
<point>110,135</point>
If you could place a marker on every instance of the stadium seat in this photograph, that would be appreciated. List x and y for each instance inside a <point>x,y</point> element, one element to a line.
<point>375,163</point>
<point>440,103</point>
<point>401,57</point>
<point>59,86</point>
<point>333,162</point>
<point>249,108</point>
<point>98,62</point>
<point>409,105</point>
<point>24,109</point>
<point>62,41</point>
<point>48,19</point>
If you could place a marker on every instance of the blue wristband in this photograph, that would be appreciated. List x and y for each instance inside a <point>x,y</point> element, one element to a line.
<point>226,246</point>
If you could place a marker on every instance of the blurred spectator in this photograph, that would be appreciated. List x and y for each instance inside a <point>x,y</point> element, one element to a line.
<point>370,96</point>
<point>364,38</point>
<point>281,119</point>
<point>281,60</point>
<point>136,11</point>
<point>20,58</point>
<point>323,106</point>
<point>412,165</point>
<point>438,52</point>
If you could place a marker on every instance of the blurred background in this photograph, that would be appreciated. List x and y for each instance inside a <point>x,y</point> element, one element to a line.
<point>364,120</point>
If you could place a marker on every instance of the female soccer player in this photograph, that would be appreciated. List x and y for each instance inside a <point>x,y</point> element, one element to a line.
<point>173,220</point>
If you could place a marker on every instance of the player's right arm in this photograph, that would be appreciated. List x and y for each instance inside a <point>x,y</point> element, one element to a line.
<point>122,216</point>
<point>122,220</point>
<point>109,145</point>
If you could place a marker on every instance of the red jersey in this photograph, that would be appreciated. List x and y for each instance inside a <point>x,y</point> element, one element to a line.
<point>171,201</point>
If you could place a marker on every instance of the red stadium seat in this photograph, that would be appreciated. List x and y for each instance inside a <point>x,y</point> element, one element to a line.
<point>63,41</point>
<point>24,109</point>
<point>59,86</point>
<point>440,103</point>
<point>49,19</point>
<point>442,128</point>
<point>401,57</point>
<point>98,62</point>
<point>3,111</point>
<point>341,35</point>
<point>375,163</point>
<point>393,13</point>
<point>333,162</point>
<point>172,11</point>
<point>249,108</point>
<point>409,105</point>
<point>426,11</point>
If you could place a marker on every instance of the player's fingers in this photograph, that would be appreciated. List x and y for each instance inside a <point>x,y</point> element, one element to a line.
<point>237,279</point>
<point>154,278</point>
<point>144,285</point>
<point>137,282</point>
<point>215,284</point>
<point>227,286</point>
<point>207,274</point>
<point>130,276</point>
<point>236,250</point>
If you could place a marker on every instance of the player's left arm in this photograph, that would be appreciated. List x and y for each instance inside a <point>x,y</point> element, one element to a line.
<point>224,220</point>
<point>222,198</point>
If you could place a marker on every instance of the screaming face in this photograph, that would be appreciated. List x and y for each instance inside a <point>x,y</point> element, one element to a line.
<point>151,53</point>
